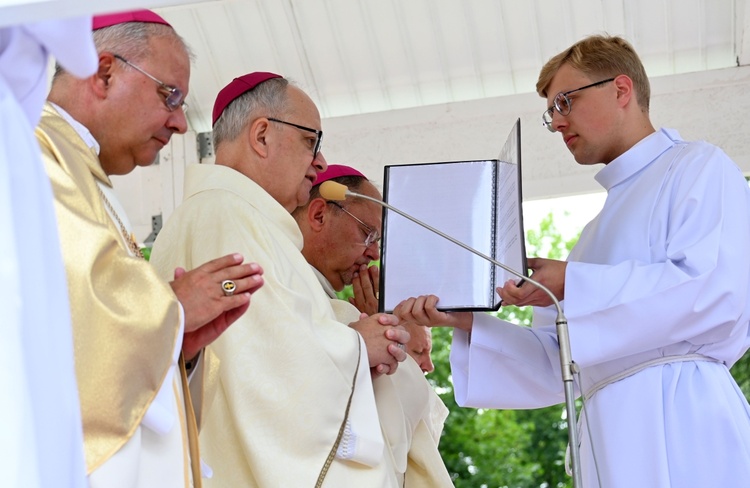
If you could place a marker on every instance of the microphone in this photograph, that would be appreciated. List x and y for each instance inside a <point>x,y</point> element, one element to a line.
<point>330,190</point>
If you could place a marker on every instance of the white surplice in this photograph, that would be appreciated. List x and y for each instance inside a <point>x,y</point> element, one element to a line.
<point>663,270</point>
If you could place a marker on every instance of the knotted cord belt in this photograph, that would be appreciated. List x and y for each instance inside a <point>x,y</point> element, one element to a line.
<point>625,374</point>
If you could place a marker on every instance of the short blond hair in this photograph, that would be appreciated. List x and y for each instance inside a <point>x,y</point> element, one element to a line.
<point>600,56</point>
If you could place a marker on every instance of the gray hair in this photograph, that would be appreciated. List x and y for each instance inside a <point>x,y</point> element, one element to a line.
<point>268,99</point>
<point>131,41</point>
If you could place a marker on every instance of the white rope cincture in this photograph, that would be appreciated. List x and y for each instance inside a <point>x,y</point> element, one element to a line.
<point>585,397</point>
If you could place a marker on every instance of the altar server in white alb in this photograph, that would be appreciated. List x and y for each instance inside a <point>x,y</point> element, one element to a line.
<point>655,292</point>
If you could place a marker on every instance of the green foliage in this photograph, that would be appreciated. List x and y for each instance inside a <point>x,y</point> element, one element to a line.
<point>547,241</point>
<point>741,373</point>
<point>346,293</point>
<point>146,251</point>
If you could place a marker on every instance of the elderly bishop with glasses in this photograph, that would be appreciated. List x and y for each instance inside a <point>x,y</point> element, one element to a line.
<point>135,335</point>
<point>340,240</point>
<point>656,293</point>
<point>294,404</point>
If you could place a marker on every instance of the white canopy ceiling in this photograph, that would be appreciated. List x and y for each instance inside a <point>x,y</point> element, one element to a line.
<point>435,80</point>
<point>364,56</point>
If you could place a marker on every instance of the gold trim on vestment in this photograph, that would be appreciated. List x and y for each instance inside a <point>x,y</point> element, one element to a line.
<point>183,434</point>
<point>192,427</point>
<point>125,318</point>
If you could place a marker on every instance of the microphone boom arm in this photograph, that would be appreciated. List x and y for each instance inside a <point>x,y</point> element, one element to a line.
<point>459,243</point>
<point>567,365</point>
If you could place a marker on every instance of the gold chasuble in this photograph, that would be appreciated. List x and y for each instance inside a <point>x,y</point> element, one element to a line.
<point>125,319</point>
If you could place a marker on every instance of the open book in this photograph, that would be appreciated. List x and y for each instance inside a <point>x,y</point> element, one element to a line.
<point>476,202</point>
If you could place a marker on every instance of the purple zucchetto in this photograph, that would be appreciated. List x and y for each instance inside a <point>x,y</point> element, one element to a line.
<point>237,87</point>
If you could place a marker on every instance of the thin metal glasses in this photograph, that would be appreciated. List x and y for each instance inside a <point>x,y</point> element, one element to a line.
<point>173,96</point>
<point>318,134</point>
<point>563,104</point>
<point>373,235</point>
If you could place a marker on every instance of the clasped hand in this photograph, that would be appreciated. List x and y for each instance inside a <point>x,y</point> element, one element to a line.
<point>208,311</point>
<point>385,340</point>
<point>365,284</point>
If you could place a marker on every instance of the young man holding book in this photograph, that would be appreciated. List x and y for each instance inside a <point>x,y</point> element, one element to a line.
<point>655,292</point>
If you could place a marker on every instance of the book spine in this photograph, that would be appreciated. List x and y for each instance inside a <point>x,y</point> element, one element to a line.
<point>493,233</point>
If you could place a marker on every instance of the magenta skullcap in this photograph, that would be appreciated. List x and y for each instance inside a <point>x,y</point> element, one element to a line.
<point>107,20</point>
<point>237,87</point>
<point>336,171</point>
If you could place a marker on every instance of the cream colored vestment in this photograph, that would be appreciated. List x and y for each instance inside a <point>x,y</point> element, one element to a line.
<point>411,415</point>
<point>287,365</point>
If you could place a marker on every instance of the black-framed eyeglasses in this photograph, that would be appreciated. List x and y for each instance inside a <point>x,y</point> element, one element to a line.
<point>173,96</point>
<point>373,235</point>
<point>318,134</point>
<point>563,104</point>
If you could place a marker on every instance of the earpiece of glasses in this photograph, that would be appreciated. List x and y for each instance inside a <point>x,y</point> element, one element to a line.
<point>373,235</point>
<point>318,134</point>
<point>173,96</point>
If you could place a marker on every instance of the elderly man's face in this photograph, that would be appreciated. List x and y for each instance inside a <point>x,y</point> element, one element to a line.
<point>139,123</point>
<point>291,169</point>
<point>345,237</point>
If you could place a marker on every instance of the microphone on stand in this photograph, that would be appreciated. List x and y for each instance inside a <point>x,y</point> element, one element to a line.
<point>330,190</point>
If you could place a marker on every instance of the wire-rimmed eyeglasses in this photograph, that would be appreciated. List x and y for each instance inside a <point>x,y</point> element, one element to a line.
<point>318,134</point>
<point>563,104</point>
<point>373,235</point>
<point>173,96</point>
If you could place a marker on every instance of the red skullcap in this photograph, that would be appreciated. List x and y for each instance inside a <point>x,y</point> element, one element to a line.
<point>336,171</point>
<point>237,87</point>
<point>107,20</point>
